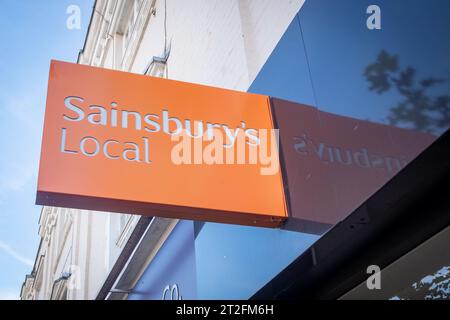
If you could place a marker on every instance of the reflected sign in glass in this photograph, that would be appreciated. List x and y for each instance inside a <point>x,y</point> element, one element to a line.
<point>334,163</point>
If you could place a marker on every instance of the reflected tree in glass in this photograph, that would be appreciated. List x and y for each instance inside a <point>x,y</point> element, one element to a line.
<point>418,108</point>
<point>435,286</point>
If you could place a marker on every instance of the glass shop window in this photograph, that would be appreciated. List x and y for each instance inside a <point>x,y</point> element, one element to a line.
<point>233,262</point>
<point>389,78</point>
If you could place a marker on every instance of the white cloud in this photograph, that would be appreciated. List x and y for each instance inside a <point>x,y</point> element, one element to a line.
<point>16,255</point>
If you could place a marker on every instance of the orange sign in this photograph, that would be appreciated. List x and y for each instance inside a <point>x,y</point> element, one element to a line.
<point>115,141</point>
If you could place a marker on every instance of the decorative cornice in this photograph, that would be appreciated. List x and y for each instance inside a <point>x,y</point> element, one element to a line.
<point>110,18</point>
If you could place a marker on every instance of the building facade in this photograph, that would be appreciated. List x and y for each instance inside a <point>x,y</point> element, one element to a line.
<point>216,43</point>
<point>332,56</point>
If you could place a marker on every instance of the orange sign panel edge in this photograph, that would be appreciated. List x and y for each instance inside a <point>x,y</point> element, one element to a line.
<point>61,199</point>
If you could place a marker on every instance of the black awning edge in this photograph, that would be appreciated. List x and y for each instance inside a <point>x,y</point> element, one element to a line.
<point>406,211</point>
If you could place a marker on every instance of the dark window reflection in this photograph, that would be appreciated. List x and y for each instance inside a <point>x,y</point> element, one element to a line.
<point>435,286</point>
<point>398,75</point>
<point>421,274</point>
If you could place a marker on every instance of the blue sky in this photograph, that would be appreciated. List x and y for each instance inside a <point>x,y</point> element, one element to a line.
<point>32,33</point>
